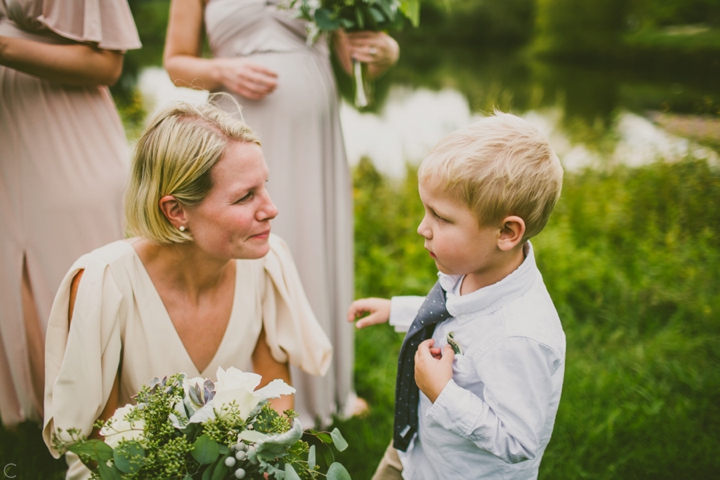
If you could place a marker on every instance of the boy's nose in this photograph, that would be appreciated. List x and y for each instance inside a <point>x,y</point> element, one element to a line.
<point>423,230</point>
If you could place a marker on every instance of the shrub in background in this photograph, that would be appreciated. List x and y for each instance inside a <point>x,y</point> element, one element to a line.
<point>579,29</point>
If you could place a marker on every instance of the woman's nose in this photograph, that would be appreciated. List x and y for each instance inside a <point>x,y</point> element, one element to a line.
<point>267,210</point>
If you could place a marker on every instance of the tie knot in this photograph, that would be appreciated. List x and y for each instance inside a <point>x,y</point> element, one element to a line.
<point>432,310</point>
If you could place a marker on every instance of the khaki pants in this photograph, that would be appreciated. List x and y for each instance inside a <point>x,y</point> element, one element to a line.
<point>390,467</point>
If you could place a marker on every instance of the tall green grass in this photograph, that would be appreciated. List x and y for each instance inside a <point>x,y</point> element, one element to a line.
<point>632,260</point>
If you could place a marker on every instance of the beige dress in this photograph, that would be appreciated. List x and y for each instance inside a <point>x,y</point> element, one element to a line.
<point>299,127</point>
<point>119,319</point>
<point>63,164</point>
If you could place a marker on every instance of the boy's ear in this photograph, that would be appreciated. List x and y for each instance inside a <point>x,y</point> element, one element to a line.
<point>173,210</point>
<point>511,233</point>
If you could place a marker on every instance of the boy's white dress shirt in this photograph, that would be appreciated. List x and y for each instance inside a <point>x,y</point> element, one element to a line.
<point>494,419</point>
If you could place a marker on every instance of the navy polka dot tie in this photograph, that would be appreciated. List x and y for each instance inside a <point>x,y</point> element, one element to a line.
<point>407,394</point>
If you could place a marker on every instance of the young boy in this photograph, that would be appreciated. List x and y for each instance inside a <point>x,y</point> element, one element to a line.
<point>486,348</point>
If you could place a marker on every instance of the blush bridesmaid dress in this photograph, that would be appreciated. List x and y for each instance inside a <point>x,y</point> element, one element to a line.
<point>63,165</point>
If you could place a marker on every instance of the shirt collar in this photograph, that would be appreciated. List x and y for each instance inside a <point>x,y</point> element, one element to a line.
<point>493,297</point>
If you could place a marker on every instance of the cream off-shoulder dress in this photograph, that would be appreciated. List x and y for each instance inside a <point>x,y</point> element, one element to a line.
<point>120,324</point>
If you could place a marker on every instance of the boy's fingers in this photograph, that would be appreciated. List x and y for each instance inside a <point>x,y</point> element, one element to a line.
<point>353,312</point>
<point>424,348</point>
<point>377,308</point>
<point>367,321</point>
<point>448,354</point>
<point>362,323</point>
<point>358,307</point>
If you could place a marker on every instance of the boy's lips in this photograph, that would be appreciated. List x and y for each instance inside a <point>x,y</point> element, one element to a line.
<point>431,253</point>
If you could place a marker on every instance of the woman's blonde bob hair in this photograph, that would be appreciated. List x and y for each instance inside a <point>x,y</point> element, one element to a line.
<point>175,156</point>
<point>498,166</point>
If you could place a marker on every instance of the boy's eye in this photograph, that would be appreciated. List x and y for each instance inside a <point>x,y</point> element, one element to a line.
<point>440,218</point>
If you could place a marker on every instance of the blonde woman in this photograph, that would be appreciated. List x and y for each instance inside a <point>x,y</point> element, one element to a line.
<point>203,283</point>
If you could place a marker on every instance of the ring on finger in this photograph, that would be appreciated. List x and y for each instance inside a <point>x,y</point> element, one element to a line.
<point>373,51</point>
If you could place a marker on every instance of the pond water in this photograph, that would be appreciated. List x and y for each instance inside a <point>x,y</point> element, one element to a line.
<point>593,118</point>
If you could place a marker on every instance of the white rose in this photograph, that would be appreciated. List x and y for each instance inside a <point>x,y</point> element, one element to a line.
<point>118,428</point>
<point>235,385</point>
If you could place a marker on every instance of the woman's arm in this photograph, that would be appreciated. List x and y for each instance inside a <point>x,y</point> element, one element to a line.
<point>186,69</point>
<point>113,400</point>
<point>76,64</point>
<point>378,49</point>
<point>270,369</point>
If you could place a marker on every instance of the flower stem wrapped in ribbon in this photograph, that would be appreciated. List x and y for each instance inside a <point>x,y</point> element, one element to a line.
<point>355,16</point>
<point>193,428</point>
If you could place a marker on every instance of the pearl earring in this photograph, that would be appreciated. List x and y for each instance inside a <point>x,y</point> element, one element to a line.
<point>181,228</point>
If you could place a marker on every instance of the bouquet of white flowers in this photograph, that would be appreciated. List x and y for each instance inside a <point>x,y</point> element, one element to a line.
<point>353,16</point>
<point>194,429</point>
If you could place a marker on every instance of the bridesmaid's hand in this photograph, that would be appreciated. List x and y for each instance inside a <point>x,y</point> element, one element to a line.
<point>378,49</point>
<point>242,76</point>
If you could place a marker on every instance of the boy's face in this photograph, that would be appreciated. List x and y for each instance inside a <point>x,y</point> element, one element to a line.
<point>454,237</point>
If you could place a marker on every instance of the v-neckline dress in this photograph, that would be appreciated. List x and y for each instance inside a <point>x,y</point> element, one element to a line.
<point>120,322</point>
<point>166,328</point>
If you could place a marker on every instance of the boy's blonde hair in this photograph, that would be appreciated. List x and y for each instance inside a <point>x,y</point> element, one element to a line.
<point>498,166</point>
<point>175,156</point>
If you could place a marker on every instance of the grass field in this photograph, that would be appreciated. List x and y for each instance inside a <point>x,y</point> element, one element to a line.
<point>632,260</point>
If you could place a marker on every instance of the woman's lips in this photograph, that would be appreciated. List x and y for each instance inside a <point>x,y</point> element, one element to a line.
<point>261,235</point>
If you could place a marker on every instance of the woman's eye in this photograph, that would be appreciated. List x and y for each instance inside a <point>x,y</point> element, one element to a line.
<point>245,198</point>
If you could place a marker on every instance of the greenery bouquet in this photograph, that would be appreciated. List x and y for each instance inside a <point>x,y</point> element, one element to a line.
<point>357,15</point>
<point>196,429</point>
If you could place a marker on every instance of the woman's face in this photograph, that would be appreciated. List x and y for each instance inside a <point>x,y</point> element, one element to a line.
<point>233,221</point>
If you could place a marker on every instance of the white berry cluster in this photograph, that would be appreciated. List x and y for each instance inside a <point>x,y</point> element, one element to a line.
<point>241,455</point>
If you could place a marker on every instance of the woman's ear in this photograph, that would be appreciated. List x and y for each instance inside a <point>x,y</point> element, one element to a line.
<point>511,233</point>
<point>174,211</point>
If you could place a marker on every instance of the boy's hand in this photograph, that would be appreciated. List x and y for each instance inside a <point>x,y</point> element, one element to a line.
<point>378,308</point>
<point>432,370</point>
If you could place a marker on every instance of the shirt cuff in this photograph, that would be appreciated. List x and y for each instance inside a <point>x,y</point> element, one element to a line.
<point>455,409</point>
<point>403,311</point>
